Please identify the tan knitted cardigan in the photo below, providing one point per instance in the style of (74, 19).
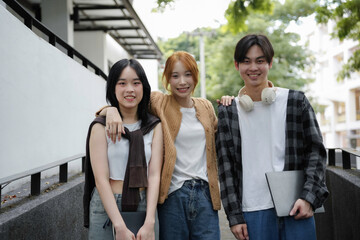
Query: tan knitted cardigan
(168, 110)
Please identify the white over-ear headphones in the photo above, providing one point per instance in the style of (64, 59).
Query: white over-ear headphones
(268, 96)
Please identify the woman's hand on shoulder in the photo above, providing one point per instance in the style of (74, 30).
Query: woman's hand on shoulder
(114, 124)
(146, 232)
(225, 100)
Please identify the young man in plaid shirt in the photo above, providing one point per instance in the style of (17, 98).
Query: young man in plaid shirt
(266, 129)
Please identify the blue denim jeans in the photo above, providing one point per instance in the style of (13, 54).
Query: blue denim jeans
(265, 225)
(187, 214)
(100, 225)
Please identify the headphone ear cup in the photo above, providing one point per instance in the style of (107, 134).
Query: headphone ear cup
(246, 103)
(268, 95)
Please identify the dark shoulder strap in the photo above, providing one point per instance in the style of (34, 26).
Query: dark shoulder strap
(100, 119)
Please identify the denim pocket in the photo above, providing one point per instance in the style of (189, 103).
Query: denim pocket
(206, 192)
(173, 193)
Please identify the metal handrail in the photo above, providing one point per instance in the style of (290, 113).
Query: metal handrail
(30, 21)
(35, 173)
(346, 156)
(63, 170)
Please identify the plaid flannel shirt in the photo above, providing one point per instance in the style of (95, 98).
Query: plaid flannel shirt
(304, 150)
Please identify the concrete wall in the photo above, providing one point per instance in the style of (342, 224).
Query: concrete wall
(55, 16)
(342, 217)
(47, 100)
(55, 215)
(92, 46)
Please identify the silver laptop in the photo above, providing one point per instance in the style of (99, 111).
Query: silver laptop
(285, 188)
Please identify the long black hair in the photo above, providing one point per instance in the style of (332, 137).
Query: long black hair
(113, 78)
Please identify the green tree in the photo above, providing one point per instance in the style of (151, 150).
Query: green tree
(293, 10)
(346, 14)
(162, 4)
(184, 42)
(290, 60)
(289, 63)
(239, 10)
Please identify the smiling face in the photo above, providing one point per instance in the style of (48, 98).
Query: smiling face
(181, 81)
(254, 68)
(128, 89)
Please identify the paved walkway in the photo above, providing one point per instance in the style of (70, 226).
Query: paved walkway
(226, 234)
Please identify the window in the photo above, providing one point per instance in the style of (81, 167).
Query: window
(340, 110)
(357, 104)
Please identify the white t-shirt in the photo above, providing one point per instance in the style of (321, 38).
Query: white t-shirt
(118, 152)
(190, 150)
(263, 148)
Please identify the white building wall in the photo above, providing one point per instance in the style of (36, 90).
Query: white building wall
(151, 69)
(92, 46)
(330, 56)
(113, 52)
(104, 51)
(47, 100)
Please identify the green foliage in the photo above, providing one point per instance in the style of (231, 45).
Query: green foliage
(293, 10)
(239, 10)
(290, 60)
(221, 75)
(353, 65)
(346, 14)
(184, 42)
(162, 4)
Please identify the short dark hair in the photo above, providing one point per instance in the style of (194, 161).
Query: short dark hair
(113, 78)
(245, 43)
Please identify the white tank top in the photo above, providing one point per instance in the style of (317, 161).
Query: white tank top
(118, 152)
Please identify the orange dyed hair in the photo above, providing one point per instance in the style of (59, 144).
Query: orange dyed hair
(189, 63)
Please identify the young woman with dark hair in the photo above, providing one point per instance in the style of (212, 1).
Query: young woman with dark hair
(114, 74)
(128, 91)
